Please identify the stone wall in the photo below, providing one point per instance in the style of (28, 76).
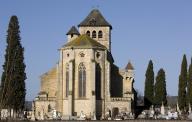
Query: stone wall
(49, 83)
(41, 107)
(122, 105)
(103, 121)
(106, 40)
(89, 59)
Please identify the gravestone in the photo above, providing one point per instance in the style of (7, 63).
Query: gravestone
(4, 113)
(162, 109)
(190, 116)
(189, 108)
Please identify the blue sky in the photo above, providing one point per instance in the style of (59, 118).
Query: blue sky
(160, 30)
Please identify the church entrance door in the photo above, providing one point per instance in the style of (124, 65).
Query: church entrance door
(115, 112)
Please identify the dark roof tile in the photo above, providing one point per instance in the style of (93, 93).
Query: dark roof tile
(95, 18)
(73, 30)
(84, 41)
(129, 66)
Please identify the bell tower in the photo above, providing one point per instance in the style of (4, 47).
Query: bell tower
(95, 26)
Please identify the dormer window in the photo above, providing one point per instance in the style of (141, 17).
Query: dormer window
(92, 21)
(94, 35)
(88, 33)
(100, 34)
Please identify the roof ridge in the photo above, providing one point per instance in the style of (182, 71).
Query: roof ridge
(84, 41)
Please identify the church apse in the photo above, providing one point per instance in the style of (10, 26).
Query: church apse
(86, 79)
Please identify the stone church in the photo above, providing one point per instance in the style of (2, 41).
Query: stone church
(85, 78)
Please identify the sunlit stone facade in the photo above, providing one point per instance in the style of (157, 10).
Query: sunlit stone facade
(85, 78)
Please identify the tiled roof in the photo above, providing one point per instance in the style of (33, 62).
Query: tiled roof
(84, 41)
(73, 30)
(129, 66)
(95, 18)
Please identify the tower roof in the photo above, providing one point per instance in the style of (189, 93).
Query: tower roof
(84, 41)
(73, 30)
(95, 18)
(129, 66)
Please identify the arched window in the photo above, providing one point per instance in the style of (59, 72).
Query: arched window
(100, 34)
(82, 80)
(67, 80)
(94, 35)
(88, 33)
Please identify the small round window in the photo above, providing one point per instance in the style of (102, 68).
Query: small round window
(81, 54)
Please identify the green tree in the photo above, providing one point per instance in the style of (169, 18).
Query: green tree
(149, 85)
(13, 77)
(182, 84)
(189, 85)
(160, 88)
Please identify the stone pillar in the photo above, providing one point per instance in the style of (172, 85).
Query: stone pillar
(108, 81)
(61, 80)
(70, 102)
(59, 101)
(93, 87)
(107, 78)
(130, 106)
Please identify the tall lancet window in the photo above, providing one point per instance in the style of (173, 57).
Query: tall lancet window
(67, 80)
(82, 80)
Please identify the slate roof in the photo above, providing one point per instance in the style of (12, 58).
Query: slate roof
(129, 66)
(73, 30)
(84, 41)
(95, 18)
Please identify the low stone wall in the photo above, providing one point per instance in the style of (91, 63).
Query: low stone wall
(103, 121)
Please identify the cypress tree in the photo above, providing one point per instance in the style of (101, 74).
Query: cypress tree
(189, 85)
(160, 88)
(13, 76)
(19, 89)
(182, 84)
(149, 85)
